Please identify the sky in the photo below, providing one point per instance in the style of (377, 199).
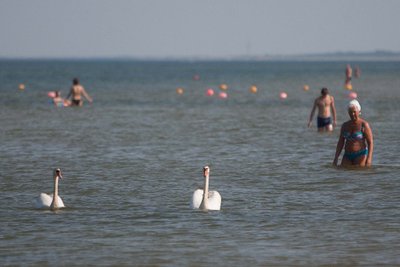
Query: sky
(195, 28)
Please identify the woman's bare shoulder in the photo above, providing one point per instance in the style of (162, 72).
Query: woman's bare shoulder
(365, 123)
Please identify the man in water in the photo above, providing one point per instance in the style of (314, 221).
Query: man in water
(357, 72)
(76, 92)
(325, 104)
(348, 73)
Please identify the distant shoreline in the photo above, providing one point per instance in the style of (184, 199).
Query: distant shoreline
(379, 55)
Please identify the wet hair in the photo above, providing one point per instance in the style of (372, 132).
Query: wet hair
(75, 81)
(324, 91)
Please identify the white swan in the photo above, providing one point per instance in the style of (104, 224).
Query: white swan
(204, 199)
(52, 201)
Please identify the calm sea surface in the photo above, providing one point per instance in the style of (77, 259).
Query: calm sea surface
(133, 158)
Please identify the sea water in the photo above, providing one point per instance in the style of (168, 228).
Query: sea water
(132, 159)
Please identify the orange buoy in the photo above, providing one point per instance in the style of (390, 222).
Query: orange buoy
(253, 89)
(223, 86)
(348, 86)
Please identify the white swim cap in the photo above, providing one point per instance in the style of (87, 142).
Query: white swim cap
(354, 103)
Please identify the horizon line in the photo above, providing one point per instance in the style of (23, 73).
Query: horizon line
(339, 55)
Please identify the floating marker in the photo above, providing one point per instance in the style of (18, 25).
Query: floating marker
(253, 89)
(353, 95)
(348, 86)
(223, 87)
(51, 94)
(223, 95)
(210, 92)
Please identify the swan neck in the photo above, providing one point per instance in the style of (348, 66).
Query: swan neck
(204, 203)
(54, 203)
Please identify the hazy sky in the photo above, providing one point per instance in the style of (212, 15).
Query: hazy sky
(188, 28)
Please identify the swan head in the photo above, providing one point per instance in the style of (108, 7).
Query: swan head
(57, 173)
(206, 171)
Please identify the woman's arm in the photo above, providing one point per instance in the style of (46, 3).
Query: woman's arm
(339, 147)
(370, 142)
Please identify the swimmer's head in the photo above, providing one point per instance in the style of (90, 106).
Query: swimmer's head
(354, 103)
(75, 81)
(324, 91)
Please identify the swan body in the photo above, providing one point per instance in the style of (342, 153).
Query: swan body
(51, 201)
(44, 201)
(203, 198)
(214, 199)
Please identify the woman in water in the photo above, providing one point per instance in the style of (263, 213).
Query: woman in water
(356, 137)
(59, 101)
